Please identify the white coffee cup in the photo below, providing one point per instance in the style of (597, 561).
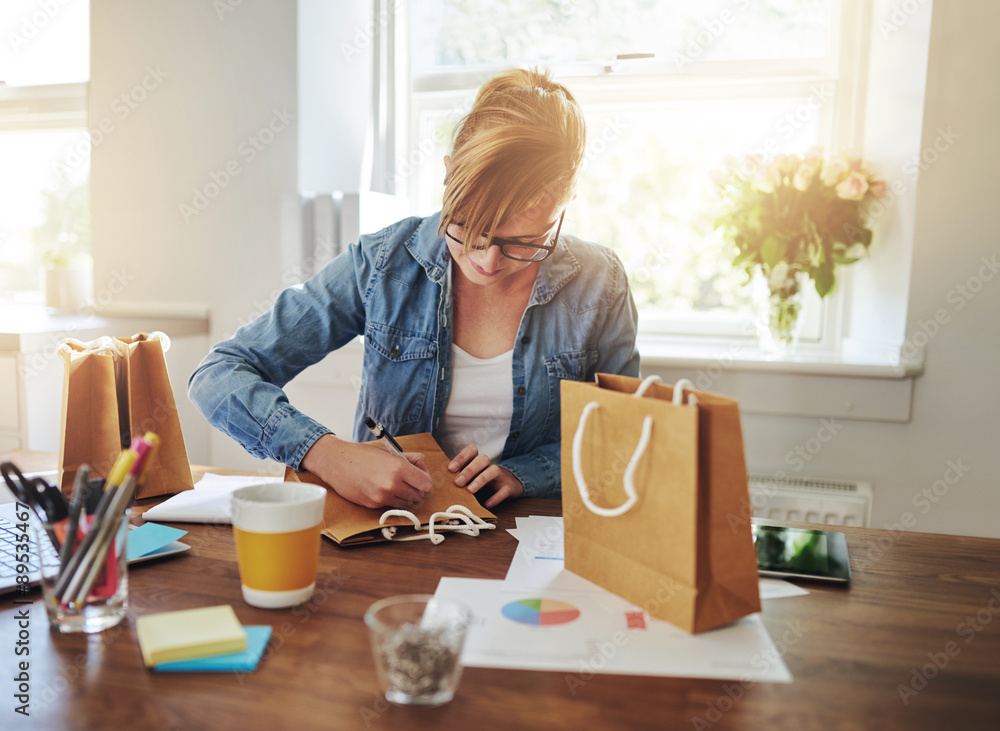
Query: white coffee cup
(277, 531)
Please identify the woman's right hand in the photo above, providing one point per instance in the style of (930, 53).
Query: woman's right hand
(369, 476)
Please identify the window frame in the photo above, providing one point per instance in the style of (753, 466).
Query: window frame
(634, 81)
(43, 107)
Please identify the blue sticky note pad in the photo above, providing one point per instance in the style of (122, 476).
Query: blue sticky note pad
(150, 537)
(246, 661)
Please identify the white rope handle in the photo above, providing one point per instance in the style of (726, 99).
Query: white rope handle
(646, 383)
(104, 345)
(460, 519)
(679, 387)
(457, 518)
(390, 531)
(628, 481)
(157, 335)
(472, 522)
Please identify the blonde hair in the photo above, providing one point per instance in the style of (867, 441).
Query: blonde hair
(524, 138)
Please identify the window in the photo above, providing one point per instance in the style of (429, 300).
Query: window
(668, 89)
(44, 144)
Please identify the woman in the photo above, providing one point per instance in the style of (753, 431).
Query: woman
(471, 317)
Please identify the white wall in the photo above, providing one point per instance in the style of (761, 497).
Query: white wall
(186, 187)
(334, 55)
(957, 402)
(937, 473)
(227, 74)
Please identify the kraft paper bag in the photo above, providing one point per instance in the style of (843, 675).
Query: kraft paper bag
(349, 524)
(653, 485)
(115, 388)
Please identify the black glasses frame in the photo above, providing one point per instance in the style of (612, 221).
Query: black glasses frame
(504, 243)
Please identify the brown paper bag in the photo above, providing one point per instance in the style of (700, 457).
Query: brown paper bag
(116, 388)
(349, 524)
(652, 495)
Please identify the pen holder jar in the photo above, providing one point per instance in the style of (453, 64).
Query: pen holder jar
(84, 578)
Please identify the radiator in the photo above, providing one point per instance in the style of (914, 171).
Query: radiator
(833, 502)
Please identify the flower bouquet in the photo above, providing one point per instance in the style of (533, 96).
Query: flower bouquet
(793, 217)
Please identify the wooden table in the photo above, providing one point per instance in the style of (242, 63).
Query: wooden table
(912, 644)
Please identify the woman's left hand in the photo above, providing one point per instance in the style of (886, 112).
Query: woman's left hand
(475, 471)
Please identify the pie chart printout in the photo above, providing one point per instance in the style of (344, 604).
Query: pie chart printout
(544, 612)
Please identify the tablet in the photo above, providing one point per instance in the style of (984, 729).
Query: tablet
(802, 553)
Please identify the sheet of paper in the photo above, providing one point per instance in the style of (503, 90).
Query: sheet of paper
(538, 563)
(208, 502)
(779, 589)
(150, 537)
(582, 633)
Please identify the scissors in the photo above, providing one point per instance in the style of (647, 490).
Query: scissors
(46, 500)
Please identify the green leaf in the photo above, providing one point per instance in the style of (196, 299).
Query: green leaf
(823, 279)
(773, 251)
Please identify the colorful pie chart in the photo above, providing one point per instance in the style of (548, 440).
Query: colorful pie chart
(545, 612)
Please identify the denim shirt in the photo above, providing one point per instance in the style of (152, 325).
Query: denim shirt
(394, 288)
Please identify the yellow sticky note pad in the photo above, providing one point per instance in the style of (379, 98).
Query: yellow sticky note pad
(189, 633)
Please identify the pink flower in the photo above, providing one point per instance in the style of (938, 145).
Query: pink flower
(878, 188)
(806, 173)
(834, 171)
(856, 163)
(853, 187)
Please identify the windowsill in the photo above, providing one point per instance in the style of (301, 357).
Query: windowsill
(25, 327)
(863, 385)
(741, 355)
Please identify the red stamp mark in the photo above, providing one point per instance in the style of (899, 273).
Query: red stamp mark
(635, 620)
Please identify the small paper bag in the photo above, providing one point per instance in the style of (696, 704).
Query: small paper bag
(652, 495)
(115, 388)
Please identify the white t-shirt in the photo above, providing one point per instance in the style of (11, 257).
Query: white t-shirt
(480, 404)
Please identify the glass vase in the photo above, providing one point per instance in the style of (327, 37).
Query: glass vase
(779, 299)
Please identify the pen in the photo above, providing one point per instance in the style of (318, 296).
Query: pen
(71, 576)
(87, 572)
(153, 440)
(80, 489)
(122, 466)
(384, 436)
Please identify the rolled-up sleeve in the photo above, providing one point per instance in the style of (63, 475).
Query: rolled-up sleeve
(538, 471)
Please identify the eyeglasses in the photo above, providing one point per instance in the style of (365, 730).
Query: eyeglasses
(514, 249)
